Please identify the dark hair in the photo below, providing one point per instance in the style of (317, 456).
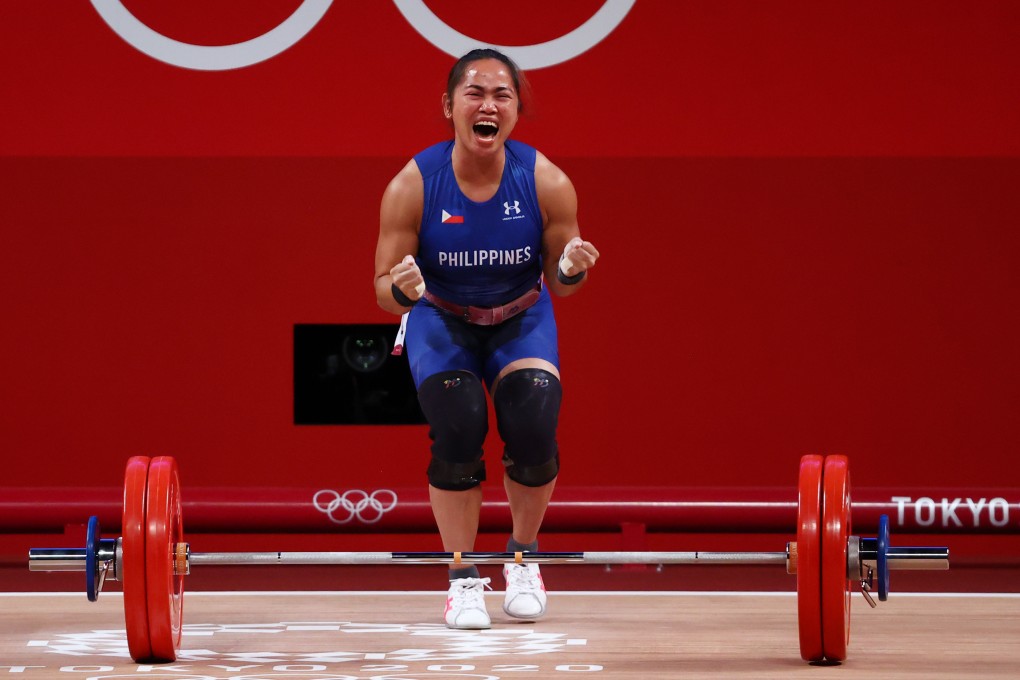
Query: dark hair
(458, 69)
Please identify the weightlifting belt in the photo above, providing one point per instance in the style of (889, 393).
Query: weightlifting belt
(487, 316)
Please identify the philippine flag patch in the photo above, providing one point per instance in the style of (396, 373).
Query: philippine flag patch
(452, 219)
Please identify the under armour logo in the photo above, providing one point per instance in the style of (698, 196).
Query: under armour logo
(516, 207)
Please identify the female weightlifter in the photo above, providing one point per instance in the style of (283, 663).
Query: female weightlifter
(474, 233)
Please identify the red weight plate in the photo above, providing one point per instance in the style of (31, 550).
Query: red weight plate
(835, 583)
(165, 531)
(809, 558)
(132, 564)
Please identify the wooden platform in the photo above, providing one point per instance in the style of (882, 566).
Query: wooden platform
(398, 636)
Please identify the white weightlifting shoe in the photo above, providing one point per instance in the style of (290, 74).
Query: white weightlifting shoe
(525, 591)
(465, 604)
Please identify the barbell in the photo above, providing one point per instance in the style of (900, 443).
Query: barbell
(151, 558)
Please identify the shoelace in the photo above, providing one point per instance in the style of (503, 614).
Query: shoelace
(469, 587)
(519, 577)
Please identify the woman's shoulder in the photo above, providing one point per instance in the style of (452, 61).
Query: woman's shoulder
(432, 158)
(521, 153)
(550, 180)
(406, 185)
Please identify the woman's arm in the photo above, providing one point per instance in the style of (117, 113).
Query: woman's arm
(561, 235)
(399, 220)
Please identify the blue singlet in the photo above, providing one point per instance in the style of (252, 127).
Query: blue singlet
(483, 254)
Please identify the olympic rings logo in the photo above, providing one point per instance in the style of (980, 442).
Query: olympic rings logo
(307, 15)
(367, 508)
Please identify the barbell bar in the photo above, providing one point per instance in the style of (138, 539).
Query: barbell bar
(76, 559)
(151, 558)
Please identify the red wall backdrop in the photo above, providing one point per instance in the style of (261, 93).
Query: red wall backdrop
(807, 212)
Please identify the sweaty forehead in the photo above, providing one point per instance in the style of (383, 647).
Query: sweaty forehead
(488, 73)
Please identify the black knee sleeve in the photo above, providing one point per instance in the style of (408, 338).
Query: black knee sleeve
(454, 405)
(527, 405)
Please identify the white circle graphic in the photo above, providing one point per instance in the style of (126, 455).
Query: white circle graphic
(211, 57)
(550, 53)
(354, 503)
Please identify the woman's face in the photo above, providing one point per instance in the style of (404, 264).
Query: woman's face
(483, 108)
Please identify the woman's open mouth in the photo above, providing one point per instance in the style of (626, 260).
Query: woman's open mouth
(486, 129)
